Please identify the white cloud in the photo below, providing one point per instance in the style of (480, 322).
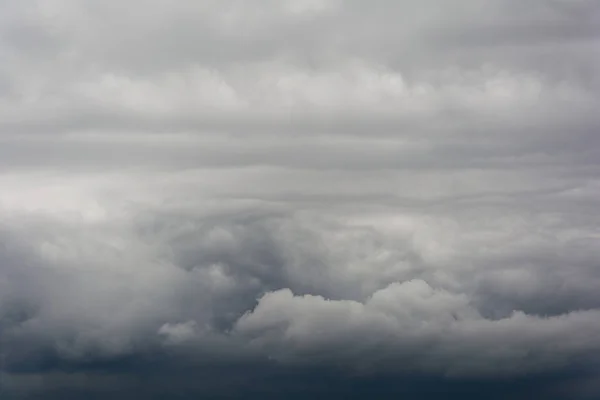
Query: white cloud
(178, 333)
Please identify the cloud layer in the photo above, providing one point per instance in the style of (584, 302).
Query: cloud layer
(309, 197)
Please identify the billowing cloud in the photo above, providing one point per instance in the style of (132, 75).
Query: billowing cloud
(292, 198)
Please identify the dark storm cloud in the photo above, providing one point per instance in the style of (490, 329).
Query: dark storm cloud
(198, 274)
(318, 198)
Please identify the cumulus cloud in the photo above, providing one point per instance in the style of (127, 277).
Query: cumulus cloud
(308, 197)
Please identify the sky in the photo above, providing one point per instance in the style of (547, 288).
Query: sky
(337, 199)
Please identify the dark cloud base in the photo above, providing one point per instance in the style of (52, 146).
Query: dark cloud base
(264, 382)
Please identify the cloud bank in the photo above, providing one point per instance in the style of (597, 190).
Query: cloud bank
(329, 198)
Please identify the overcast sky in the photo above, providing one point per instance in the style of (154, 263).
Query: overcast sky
(260, 199)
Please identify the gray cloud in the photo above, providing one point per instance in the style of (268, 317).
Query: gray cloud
(318, 197)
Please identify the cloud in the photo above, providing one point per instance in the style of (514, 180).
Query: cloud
(434, 329)
(316, 197)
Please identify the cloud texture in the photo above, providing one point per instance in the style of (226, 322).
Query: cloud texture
(334, 198)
